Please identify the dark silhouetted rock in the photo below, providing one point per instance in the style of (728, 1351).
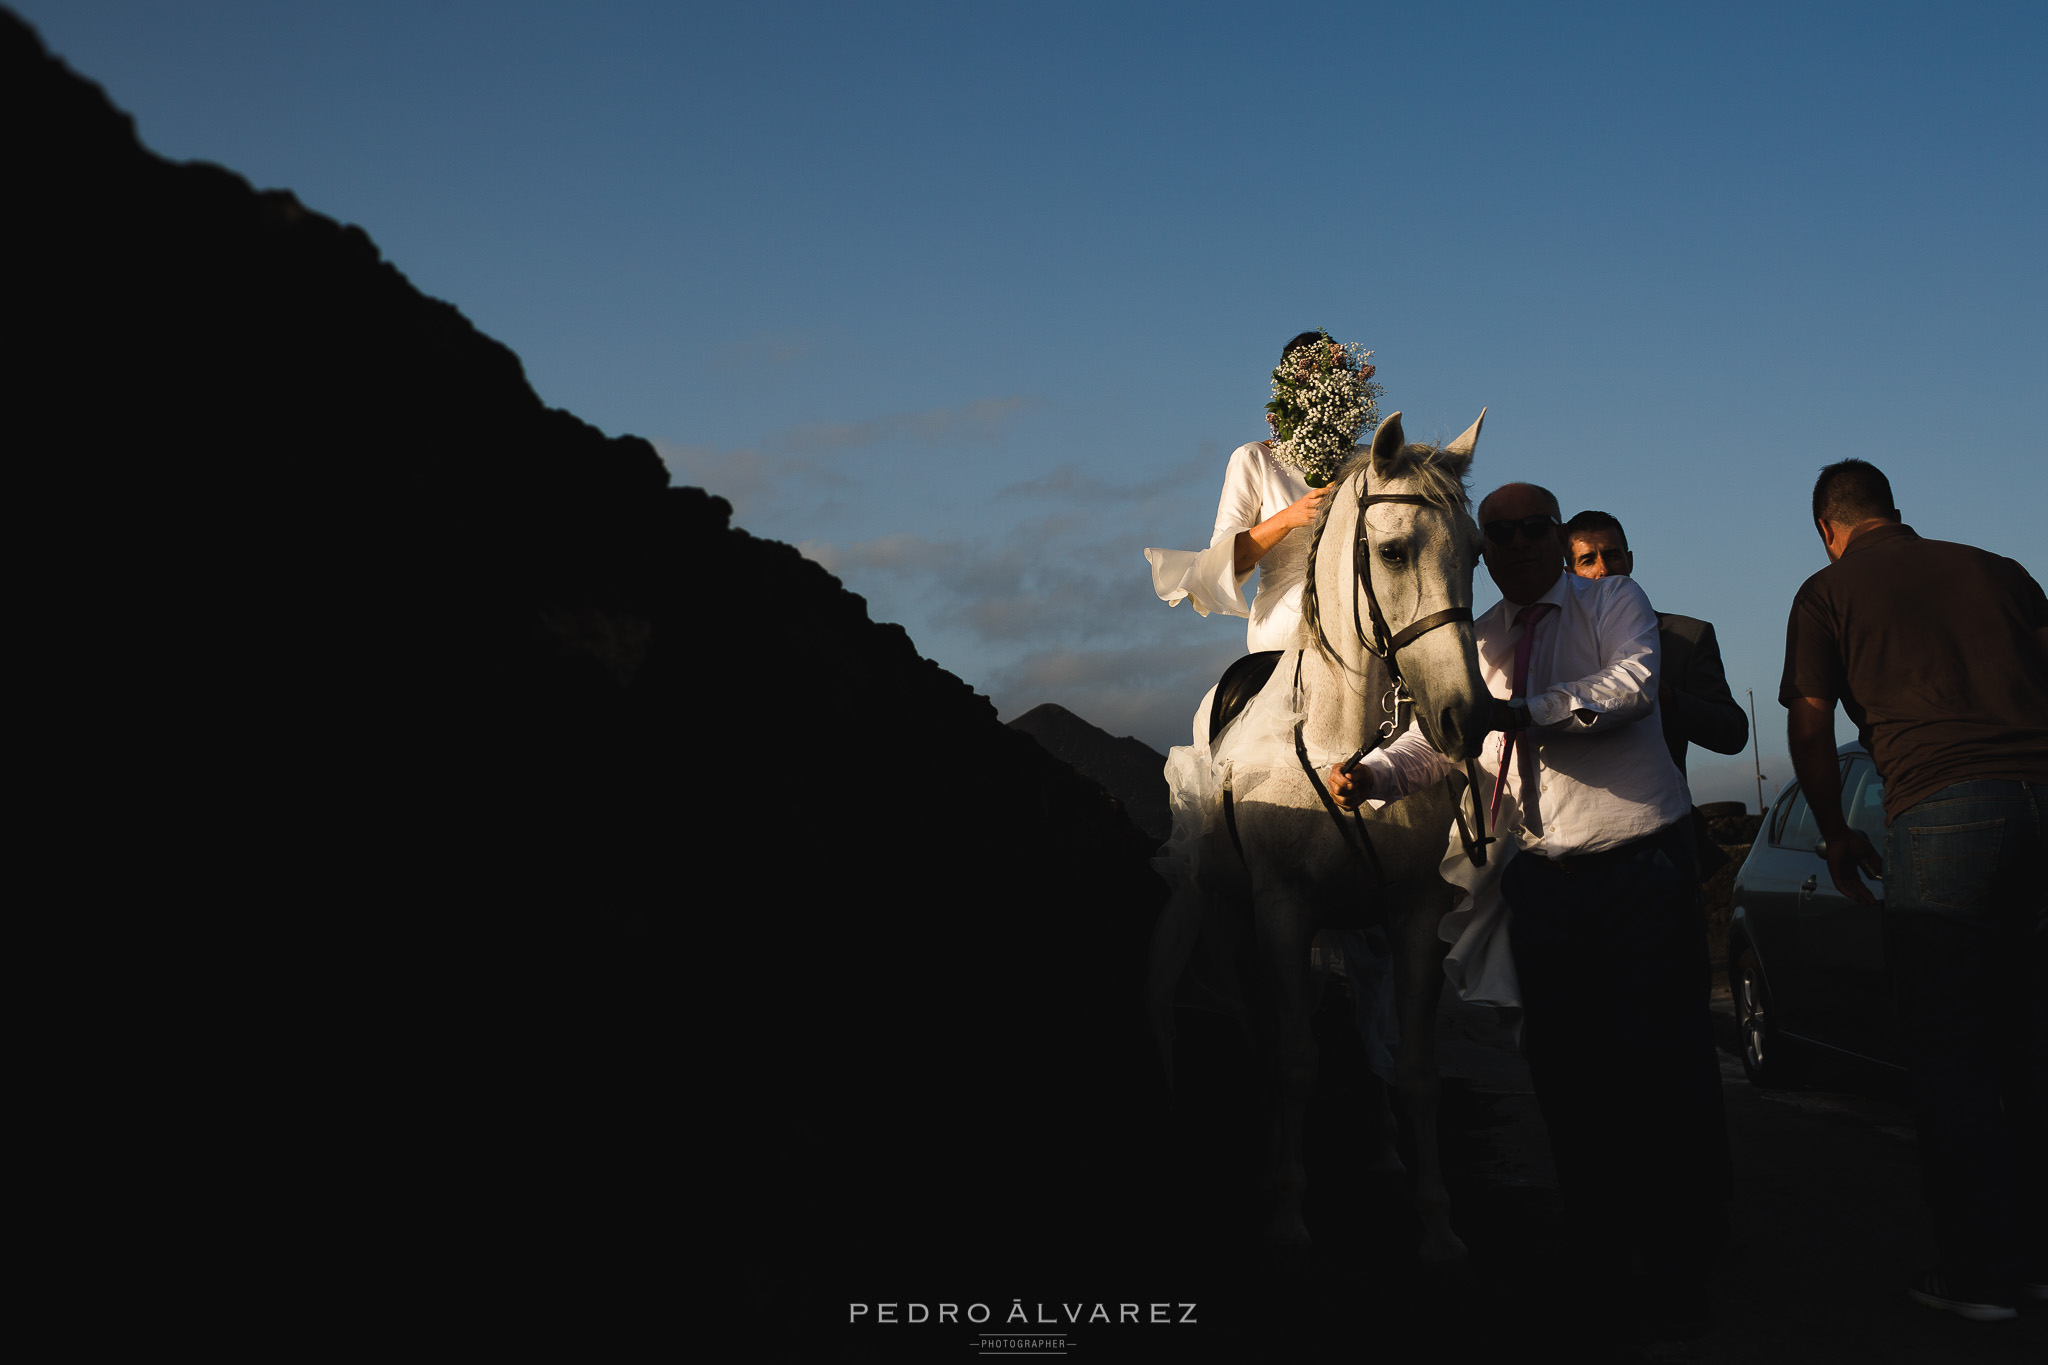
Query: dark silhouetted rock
(1131, 771)
(491, 931)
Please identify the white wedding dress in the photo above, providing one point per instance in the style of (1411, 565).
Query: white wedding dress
(1255, 486)
(1479, 965)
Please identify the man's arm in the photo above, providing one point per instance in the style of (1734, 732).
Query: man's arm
(1706, 713)
(1391, 771)
(1810, 735)
(1624, 687)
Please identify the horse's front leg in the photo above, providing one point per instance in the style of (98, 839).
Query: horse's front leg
(1419, 983)
(1286, 925)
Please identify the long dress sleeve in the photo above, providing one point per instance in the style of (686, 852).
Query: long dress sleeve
(1208, 579)
(1241, 505)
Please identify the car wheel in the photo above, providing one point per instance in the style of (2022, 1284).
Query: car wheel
(1764, 1055)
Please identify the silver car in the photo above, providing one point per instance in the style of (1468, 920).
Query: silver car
(1805, 963)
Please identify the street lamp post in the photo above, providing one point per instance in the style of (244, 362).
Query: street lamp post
(1754, 758)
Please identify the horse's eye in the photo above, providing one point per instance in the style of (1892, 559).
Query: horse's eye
(1392, 557)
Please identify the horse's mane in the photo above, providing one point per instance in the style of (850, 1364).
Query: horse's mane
(1441, 473)
(1441, 476)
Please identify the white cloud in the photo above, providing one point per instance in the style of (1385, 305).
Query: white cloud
(902, 554)
(1059, 610)
(1150, 692)
(982, 421)
(749, 478)
(1053, 607)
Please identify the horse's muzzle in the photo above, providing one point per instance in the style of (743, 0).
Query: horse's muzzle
(1460, 735)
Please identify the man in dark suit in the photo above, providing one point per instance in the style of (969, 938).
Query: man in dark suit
(1692, 694)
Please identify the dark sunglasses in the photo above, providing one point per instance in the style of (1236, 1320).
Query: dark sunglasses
(1532, 528)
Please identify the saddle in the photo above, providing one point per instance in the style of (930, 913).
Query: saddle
(1244, 680)
(1240, 683)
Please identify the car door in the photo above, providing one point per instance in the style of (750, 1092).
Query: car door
(1851, 1003)
(1776, 882)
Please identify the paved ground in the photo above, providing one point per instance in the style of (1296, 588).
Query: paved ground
(1828, 1221)
(1828, 1228)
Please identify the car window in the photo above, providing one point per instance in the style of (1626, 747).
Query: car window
(1863, 800)
(1798, 829)
(1783, 807)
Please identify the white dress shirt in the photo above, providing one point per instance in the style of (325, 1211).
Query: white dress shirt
(1591, 772)
(1255, 486)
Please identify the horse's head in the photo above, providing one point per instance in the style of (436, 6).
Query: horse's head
(1402, 585)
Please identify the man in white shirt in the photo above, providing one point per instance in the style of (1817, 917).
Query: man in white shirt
(1594, 820)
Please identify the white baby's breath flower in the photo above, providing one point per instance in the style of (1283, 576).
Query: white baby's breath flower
(1323, 396)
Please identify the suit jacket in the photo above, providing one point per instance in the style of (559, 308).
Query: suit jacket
(1701, 710)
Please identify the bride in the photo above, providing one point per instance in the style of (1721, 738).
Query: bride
(1262, 522)
(1264, 503)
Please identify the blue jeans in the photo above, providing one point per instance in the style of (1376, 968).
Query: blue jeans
(1966, 943)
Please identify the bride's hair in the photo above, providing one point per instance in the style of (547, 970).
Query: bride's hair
(1305, 339)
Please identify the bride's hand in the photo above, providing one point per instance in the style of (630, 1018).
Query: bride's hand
(1253, 545)
(1303, 512)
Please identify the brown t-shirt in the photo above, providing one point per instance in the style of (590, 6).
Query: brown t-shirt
(1930, 648)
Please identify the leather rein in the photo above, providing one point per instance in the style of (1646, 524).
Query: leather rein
(1387, 645)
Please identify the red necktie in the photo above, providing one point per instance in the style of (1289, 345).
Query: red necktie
(1526, 618)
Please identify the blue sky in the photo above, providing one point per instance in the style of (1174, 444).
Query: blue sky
(972, 301)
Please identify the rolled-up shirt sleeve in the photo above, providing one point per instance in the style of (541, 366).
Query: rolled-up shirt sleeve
(1405, 764)
(1624, 688)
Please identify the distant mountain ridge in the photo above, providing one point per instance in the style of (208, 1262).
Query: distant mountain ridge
(1128, 769)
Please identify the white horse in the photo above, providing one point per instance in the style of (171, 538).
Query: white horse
(1389, 581)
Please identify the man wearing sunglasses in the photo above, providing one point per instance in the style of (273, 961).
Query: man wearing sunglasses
(1599, 874)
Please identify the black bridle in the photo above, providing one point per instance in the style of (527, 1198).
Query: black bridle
(1386, 645)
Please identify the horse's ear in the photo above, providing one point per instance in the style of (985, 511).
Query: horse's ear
(1464, 444)
(1387, 441)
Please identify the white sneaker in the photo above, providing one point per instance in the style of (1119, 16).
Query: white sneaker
(1931, 1288)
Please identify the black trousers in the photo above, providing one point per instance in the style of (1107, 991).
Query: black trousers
(1621, 1048)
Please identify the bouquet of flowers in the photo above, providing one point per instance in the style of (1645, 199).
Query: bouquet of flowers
(1323, 396)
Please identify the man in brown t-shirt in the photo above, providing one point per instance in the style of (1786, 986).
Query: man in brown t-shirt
(1939, 653)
